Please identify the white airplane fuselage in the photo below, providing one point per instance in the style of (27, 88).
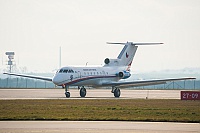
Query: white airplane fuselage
(112, 71)
(89, 76)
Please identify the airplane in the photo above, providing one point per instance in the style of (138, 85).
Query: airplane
(108, 75)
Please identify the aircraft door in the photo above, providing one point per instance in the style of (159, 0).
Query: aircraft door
(79, 74)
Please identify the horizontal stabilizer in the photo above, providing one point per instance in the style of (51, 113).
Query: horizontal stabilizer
(115, 43)
(134, 43)
(147, 43)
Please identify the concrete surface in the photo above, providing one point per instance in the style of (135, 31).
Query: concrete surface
(91, 93)
(96, 127)
(92, 126)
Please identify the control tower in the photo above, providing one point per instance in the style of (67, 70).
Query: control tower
(10, 60)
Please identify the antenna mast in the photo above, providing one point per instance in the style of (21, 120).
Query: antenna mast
(10, 60)
(60, 58)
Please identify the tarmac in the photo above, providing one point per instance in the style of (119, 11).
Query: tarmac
(96, 127)
(91, 93)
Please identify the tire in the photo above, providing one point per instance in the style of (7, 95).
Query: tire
(117, 92)
(83, 92)
(67, 94)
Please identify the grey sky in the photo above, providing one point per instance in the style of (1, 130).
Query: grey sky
(34, 30)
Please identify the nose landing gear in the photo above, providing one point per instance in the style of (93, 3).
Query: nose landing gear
(67, 94)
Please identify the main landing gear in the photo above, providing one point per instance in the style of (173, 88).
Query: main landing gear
(116, 91)
(82, 91)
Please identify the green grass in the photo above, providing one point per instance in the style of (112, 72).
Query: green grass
(101, 109)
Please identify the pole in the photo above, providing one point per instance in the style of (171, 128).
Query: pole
(10, 69)
(35, 83)
(26, 82)
(184, 84)
(60, 58)
(17, 83)
(7, 82)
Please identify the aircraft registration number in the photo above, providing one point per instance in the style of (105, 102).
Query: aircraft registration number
(190, 95)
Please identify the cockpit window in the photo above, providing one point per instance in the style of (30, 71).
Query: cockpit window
(61, 70)
(66, 71)
(70, 71)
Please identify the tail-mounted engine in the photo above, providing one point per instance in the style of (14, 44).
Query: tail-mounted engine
(107, 61)
(124, 74)
(111, 62)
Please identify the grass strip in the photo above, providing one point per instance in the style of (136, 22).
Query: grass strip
(101, 110)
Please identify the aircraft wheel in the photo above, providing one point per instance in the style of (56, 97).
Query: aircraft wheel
(82, 92)
(67, 94)
(117, 92)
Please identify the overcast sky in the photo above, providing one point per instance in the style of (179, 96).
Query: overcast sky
(35, 29)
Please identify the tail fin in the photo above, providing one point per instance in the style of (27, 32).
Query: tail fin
(127, 54)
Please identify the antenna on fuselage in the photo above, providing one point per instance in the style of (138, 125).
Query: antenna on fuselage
(60, 57)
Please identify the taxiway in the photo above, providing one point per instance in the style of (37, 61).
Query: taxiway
(97, 127)
(91, 93)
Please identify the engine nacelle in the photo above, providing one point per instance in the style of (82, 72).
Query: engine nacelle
(107, 61)
(111, 62)
(124, 74)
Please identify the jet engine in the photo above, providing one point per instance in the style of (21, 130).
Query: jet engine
(111, 62)
(107, 61)
(124, 74)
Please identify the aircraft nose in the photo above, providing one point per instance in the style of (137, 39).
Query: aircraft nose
(56, 80)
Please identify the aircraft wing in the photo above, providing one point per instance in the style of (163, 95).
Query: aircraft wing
(30, 76)
(143, 83)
